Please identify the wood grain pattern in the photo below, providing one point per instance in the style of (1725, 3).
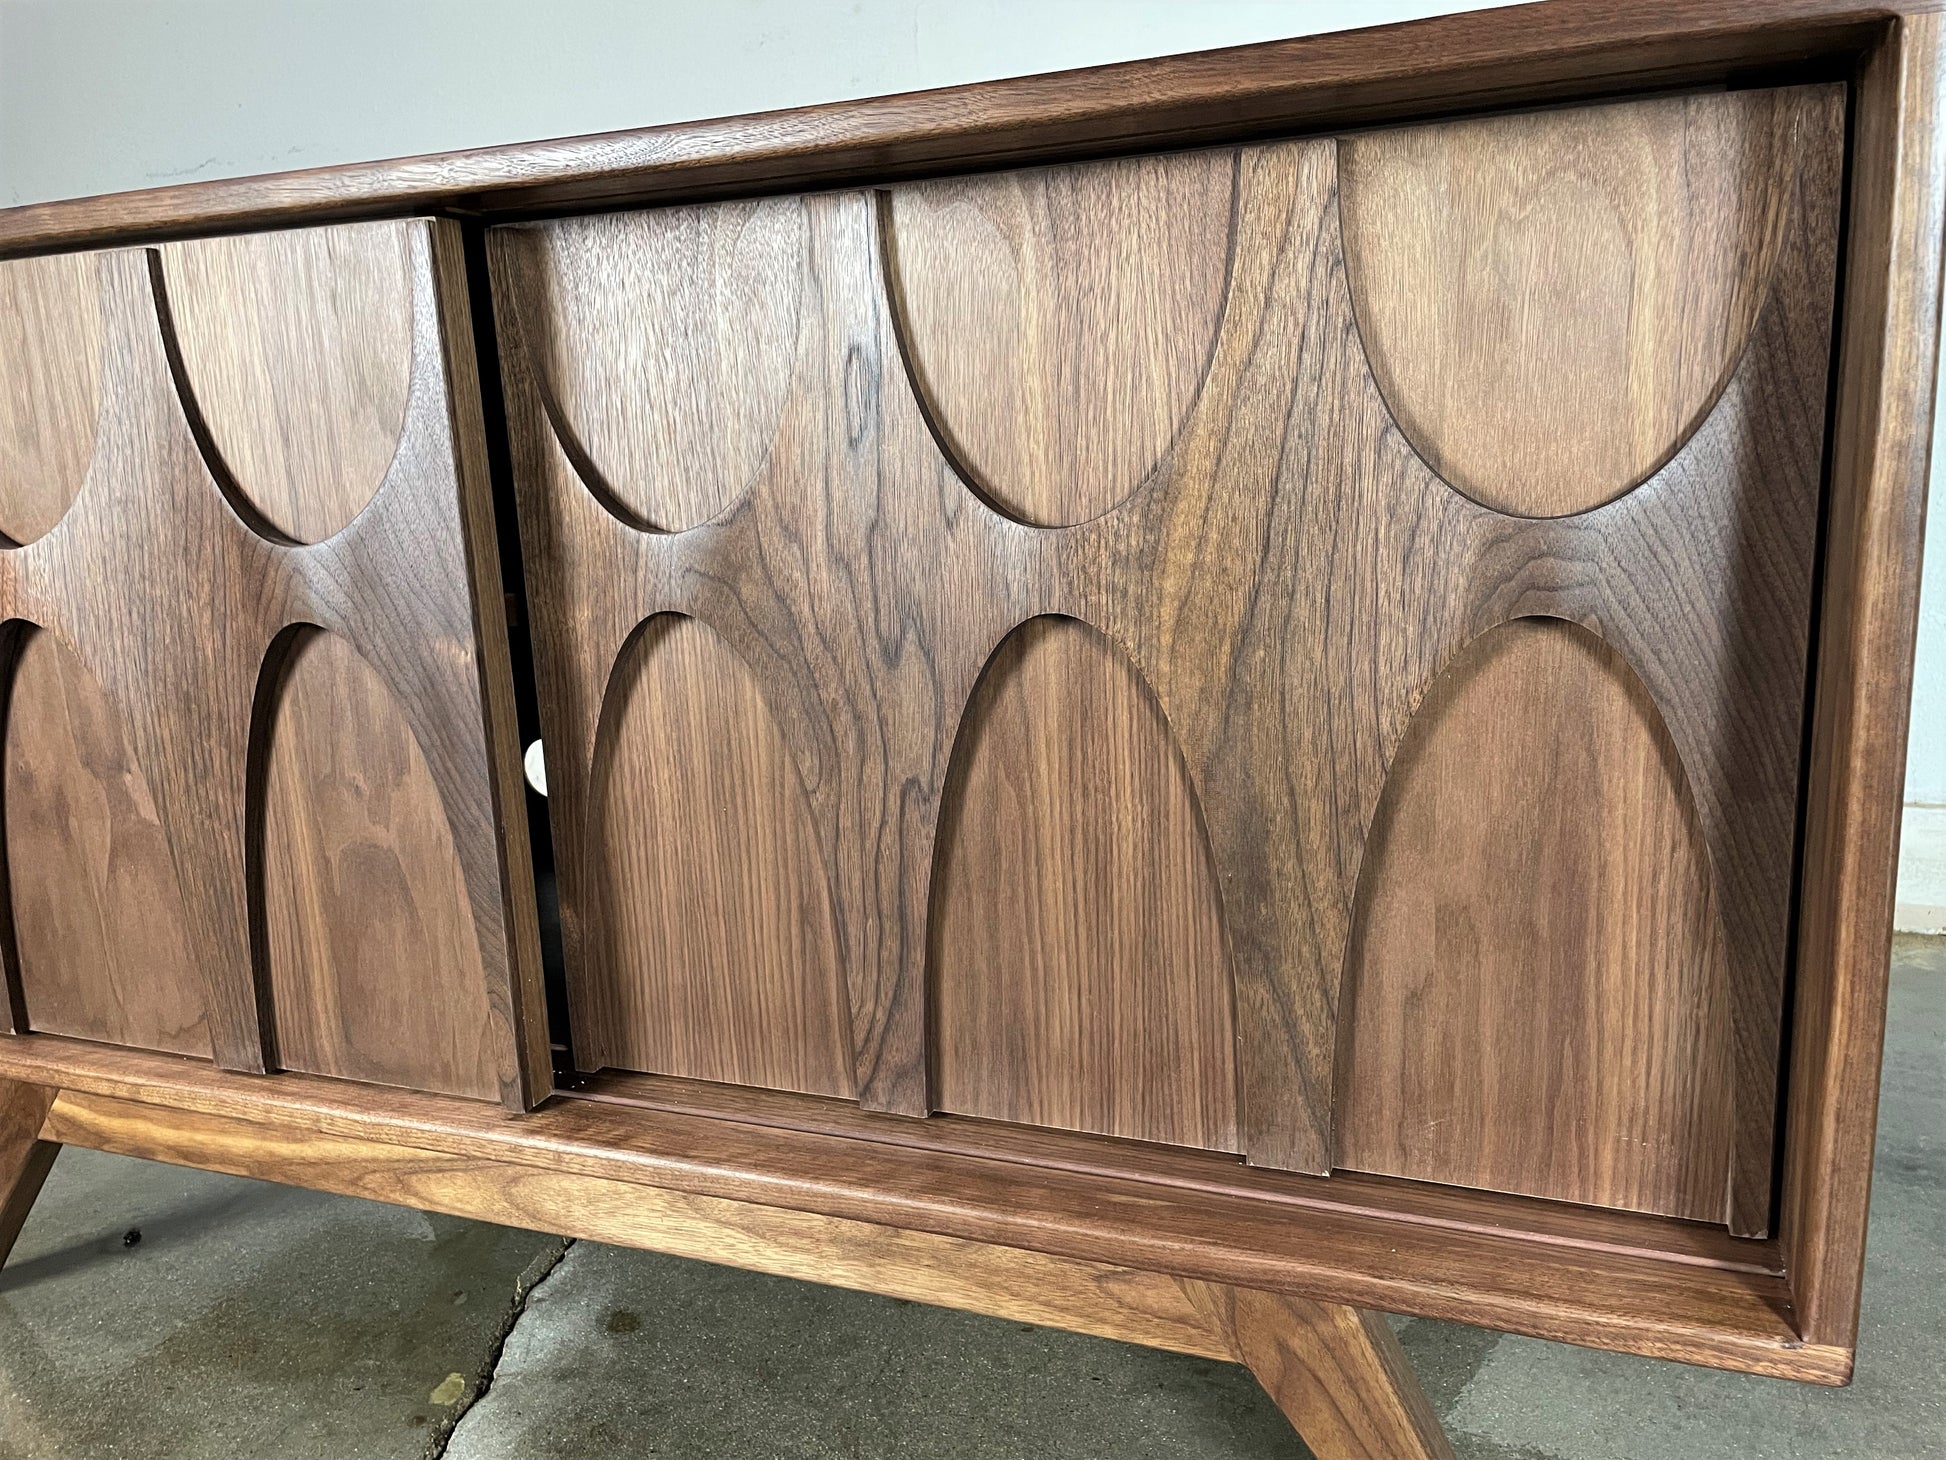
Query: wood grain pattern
(803, 578)
(1186, 1170)
(1452, 65)
(25, 1159)
(1881, 443)
(1061, 321)
(669, 352)
(1440, 66)
(50, 388)
(1078, 968)
(716, 947)
(1638, 1300)
(374, 968)
(171, 603)
(1289, 584)
(1536, 987)
(101, 934)
(1553, 300)
(298, 349)
(1337, 1373)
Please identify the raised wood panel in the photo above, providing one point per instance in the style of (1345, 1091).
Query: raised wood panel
(373, 963)
(666, 349)
(298, 349)
(715, 934)
(1060, 322)
(171, 602)
(98, 916)
(1079, 974)
(1553, 300)
(1536, 988)
(50, 388)
(1290, 579)
(1079, 968)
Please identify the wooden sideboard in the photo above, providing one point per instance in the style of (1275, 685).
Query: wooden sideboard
(1188, 701)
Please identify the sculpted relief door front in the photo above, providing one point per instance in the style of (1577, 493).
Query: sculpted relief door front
(1296, 650)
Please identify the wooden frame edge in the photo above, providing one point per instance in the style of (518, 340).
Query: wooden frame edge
(1881, 448)
(1337, 1373)
(526, 992)
(1026, 1287)
(1718, 1318)
(1556, 50)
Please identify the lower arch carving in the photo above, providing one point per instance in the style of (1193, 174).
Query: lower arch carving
(101, 935)
(371, 957)
(1078, 970)
(1536, 989)
(714, 948)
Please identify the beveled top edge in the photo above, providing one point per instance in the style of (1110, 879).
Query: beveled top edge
(1552, 51)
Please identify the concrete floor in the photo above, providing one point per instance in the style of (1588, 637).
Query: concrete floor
(257, 1320)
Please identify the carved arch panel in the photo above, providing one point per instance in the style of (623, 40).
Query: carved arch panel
(253, 392)
(1282, 566)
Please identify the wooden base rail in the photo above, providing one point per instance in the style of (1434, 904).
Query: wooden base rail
(741, 1185)
(1337, 1372)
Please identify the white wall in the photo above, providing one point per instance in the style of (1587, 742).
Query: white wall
(1922, 849)
(102, 95)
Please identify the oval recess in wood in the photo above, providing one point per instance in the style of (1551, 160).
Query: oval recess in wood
(98, 912)
(1059, 322)
(1552, 301)
(666, 346)
(1536, 995)
(716, 953)
(1079, 973)
(298, 350)
(374, 963)
(50, 387)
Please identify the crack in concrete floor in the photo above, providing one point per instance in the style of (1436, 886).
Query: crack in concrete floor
(531, 1277)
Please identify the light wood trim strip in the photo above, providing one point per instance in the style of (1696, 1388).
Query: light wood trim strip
(1382, 1198)
(1636, 1304)
(1026, 1287)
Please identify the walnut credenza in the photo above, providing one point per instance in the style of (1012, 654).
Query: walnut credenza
(1186, 701)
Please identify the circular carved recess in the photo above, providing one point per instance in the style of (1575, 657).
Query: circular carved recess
(98, 912)
(667, 346)
(718, 949)
(375, 970)
(1536, 989)
(1552, 301)
(298, 349)
(50, 387)
(1078, 968)
(1059, 322)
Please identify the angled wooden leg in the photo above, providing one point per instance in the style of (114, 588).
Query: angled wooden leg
(25, 1159)
(1338, 1373)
